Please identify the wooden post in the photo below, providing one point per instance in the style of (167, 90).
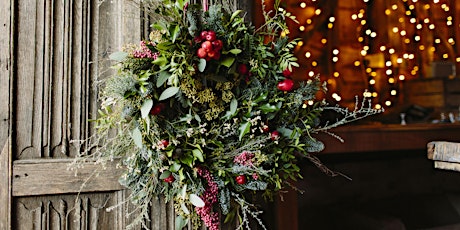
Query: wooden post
(6, 47)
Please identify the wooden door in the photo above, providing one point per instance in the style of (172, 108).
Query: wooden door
(51, 54)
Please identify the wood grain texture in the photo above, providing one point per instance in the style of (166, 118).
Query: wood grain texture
(6, 64)
(88, 211)
(40, 177)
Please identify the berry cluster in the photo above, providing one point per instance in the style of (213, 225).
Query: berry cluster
(210, 46)
(144, 51)
(245, 158)
(286, 84)
(209, 196)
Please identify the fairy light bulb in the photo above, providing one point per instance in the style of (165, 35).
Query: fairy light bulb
(399, 60)
(318, 11)
(413, 20)
(354, 17)
(373, 34)
(378, 106)
(403, 33)
(437, 40)
(302, 28)
(374, 94)
(402, 77)
(388, 63)
(382, 48)
(314, 63)
(311, 74)
(391, 80)
(372, 82)
(335, 51)
(431, 26)
(357, 63)
(335, 59)
(395, 29)
(388, 103)
(391, 51)
(307, 54)
(331, 19)
(324, 40)
(393, 92)
(309, 21)
(389, 72)
(445, 56)
(303, 5)
(394, 7)
(336, 74)
(419, 26)
(417, 38)
(363, 52)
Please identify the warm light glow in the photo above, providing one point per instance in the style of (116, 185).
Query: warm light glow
(372, 82)
(374, 94)
(417, 38)
(373, 34)
(377, 106)
(374, 74)
(383, 48)
(445, 56)
(437, 40)
(388, 63)
(421, 47)
(357, 63)
(457, 59)
(399, 60)
(300, 43)
(335, 51)
(335, 59)
(387, 11)
(307, 54)
(431, 27)
(303, 5)
(395, 29)
(413, 20)
(354, 17)
(394, 7)
(388, 103)
(391, 51)
(318, 11)
(336, 74)
(389, 72)
(314, 63)
(403, 33)
(368, 70)
(419, 26)
(393, 92)
(331, 19)
(302, 28)
(360, 39)
(391, 80)
(363, 53)
(402, 77)
(311, 73)
(324, 40)
(309, 21)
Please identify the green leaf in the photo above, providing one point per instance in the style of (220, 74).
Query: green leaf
(162, 78)
(175, 33)
(235, 51)
(137, 137)
(227, 62)
(202, 65)
(267, 108)
(180, 222)
(233, 108)
(165, 175)
(146, 107)
(169, 92)
(184, 208)
(175, 167)
(160, 61)
(187, 159)
(118, 56)
(244, 129)
(196, 200)
(198, 154)
(236, 13)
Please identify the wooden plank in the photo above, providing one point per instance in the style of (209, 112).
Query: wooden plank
(40, 177)
(391, 137)
(6, 46)
(444, 151)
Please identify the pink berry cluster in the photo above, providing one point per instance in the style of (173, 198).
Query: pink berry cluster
(144, 52)
(245, 158)
(209, 196)
(210, 47)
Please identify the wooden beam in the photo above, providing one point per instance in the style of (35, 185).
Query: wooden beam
(6, 46)
(53, 177)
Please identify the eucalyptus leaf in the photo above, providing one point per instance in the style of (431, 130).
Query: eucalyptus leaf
(118, 56)
(235, 51)
(202, 65)
(184, 208)
(175, 33)
(137, 137)
(180, 222)
(146, 107)
(196, 201)
(175, 167)
(162, 78)
(169, 92)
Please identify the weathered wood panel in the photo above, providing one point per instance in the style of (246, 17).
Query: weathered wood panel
(43, 177)
(6, 9)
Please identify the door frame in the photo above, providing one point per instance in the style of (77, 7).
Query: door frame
(6, 73)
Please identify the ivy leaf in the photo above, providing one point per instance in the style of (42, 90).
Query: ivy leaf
(267, 108)
(198, 154)
(162, 78)
(146, 107)
(244, 129)
(169, 92)
(233, 108)
(118, 56)
(202, 65)
(137, 137)
(180, 222)
(227, 62)
(196, 200)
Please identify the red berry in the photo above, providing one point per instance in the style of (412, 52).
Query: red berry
(165, 143)
(218, 44)
(212, 54)
(216, 56)
(243, 69)
(275, 135)
(287, 73)
(211, 36)
(169, 179)
(241, 179)
(203, 34)
(197, 39)
(207, 45)
(265, 128)
(157, 109)
(201, 53)
(286, 85)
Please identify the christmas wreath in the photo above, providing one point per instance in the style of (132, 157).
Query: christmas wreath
(205, 111)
